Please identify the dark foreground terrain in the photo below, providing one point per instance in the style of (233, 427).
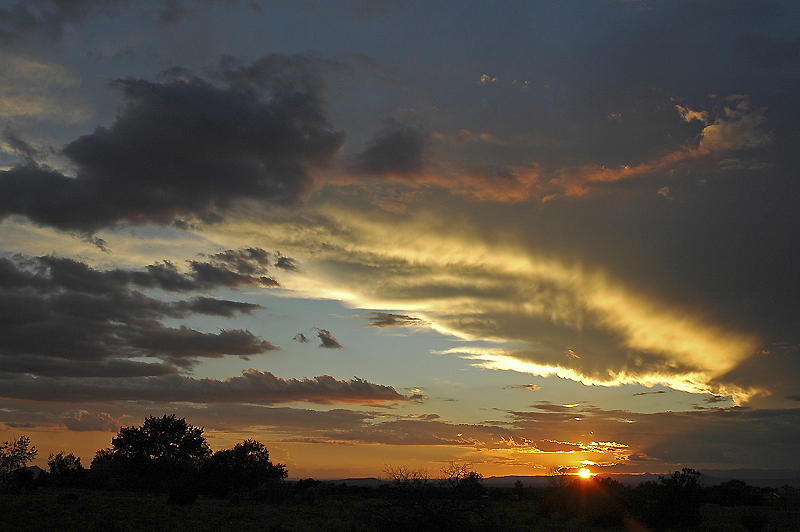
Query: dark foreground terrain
(578, 505)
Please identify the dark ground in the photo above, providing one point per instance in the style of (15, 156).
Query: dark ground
(332, 507)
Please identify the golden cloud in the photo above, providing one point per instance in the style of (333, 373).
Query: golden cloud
(501, 292)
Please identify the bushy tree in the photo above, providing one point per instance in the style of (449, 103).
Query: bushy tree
(163, 452)
(243, 468)
(165, 438)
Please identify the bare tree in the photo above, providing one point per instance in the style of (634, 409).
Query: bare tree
(456, 473)
(403, 476)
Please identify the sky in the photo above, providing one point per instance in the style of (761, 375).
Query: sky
(376, 233)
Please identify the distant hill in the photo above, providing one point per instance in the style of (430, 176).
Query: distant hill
(766, 478)
(36, 470)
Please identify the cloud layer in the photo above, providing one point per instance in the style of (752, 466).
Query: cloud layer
(62, 317)
(255, 140)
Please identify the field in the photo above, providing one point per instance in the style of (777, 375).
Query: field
(330, 507)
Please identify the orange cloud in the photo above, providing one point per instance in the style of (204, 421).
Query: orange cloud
(739, 127)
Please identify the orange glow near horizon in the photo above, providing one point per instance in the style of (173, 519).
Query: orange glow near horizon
(584, 473)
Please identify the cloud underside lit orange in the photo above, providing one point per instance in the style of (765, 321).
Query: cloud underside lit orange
(739, 126)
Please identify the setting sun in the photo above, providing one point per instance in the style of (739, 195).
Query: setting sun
(584, 473)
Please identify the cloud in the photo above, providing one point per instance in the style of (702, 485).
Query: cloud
(183, 148)
(234, 268)
(286, 263)
(230, 268)
(327, 340)
(531, 387)
(385, 319)
(301, 338)
(689, 115)
(620, 439)
(57, 366)
(182, 345)
(22, 148)
(717, 399)
(649, 393)
(252, 386)
(63, 317)
(469, 285)
(33, 89)
(86, 421)
(44, 19)
(398, 150)
(219, 307)
(739, 126)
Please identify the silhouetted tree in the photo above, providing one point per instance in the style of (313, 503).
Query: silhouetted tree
(464, 482)
(407, 478)
(241, 469)
(165, 438)
(164, 452)
(65, 469)
(14, 456)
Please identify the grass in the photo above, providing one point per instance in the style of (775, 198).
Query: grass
(51, 508)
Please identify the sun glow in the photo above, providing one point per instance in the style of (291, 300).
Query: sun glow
(584, 473)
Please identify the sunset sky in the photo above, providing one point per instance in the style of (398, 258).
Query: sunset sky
(366, 233)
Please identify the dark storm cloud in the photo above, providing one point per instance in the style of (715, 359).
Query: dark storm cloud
(384, 319)
(109, 416)
(183, 148)
(251, 387)
(183, 345)
(231, 268)
(219, 307)
(397, 149)
(327, 339)
(57, 367)
(62, 317)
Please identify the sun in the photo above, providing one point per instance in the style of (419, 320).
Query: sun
(584, 473)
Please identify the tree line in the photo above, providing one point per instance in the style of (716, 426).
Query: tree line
(164, 454)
